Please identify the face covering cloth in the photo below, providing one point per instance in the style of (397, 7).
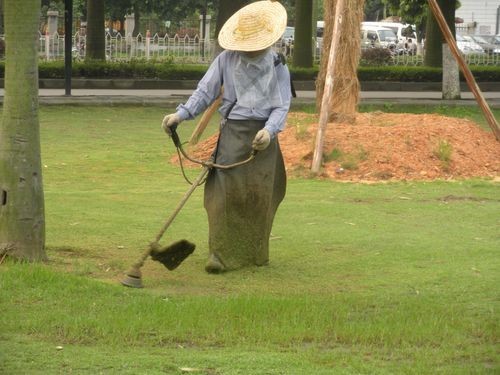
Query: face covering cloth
(255, 82)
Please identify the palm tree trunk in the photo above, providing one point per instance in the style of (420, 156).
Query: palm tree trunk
(22, 222)
(345, 97)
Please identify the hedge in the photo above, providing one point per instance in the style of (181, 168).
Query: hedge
(171, 71)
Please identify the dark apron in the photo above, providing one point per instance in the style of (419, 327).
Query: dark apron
(241, 202)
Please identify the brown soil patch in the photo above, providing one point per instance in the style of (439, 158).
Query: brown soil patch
(386, 146)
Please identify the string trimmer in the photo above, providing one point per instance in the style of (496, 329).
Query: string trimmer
(172, 256)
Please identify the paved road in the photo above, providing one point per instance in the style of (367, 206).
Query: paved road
(168, 97)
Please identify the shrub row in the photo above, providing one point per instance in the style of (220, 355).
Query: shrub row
(404, 73)
(170, 71)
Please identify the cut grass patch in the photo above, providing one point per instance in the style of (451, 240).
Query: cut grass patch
(443, 152)
(347, 160)
(365, 279)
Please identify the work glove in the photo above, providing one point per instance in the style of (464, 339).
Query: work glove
(261, 140)
(169, 121)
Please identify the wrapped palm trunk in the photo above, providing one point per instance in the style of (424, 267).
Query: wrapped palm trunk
(241, 202)
(345, 97)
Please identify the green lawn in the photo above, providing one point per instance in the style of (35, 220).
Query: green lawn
(389, 278)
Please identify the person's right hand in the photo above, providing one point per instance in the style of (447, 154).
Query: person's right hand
(169, 121)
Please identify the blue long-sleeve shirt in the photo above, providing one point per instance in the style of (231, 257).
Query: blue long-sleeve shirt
(220, 73)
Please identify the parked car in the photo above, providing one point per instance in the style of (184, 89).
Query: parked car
(468, 46)
(493, 39)
(376, 36)
(488, 47)
(403, 31)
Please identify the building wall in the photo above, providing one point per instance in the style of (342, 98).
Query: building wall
(484, 13)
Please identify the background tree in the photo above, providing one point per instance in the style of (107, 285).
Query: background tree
(290, 10)
(22, 220)
(434, 37)
(346, 84)
(374, 10)
(302, 54)
(95, 45)
(164, 10)
(226, 9)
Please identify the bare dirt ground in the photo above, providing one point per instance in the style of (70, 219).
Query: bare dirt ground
(386, 146)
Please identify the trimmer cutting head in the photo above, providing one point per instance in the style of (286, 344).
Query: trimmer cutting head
(173, 255)
(133, 278)
(170, 256)
(132, 282)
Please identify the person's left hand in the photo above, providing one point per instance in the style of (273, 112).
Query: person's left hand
(261, 140)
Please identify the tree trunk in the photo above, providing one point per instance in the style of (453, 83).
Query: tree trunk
(226, 9)
(95, 48)
(137, 20)
(434, 37)
(345, 97)
(451, 75)
(22, 223)
(1, 17)
(302, 49)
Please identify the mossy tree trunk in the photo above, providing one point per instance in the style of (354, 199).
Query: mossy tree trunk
(302, 54)
(434, 37)
(96, 44)
(22, 221)
(345, 96)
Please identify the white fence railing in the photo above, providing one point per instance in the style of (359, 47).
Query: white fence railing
(120, 48)
(187, 49)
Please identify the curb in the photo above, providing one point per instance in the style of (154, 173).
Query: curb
(297, 103)
(156, 84)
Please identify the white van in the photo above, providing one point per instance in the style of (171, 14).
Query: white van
(371, 36)
(403, 31)
(376, 36)
(320, 29)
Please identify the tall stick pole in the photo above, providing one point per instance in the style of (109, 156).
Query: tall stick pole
(68, 38)
(205, 118)
(490, 118)
(328, 90)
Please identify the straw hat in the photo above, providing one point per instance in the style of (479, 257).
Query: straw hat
(254, 27)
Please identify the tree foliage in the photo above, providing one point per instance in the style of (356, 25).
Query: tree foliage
(164, 9)
(413, 12)
(374, 10)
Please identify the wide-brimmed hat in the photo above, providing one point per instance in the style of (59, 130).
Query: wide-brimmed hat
(254, 27)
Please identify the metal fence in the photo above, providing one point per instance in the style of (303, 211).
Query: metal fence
(142, 47)
(484, 59)
(186, 49)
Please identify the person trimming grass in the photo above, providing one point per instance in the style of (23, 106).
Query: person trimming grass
(241, 202)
